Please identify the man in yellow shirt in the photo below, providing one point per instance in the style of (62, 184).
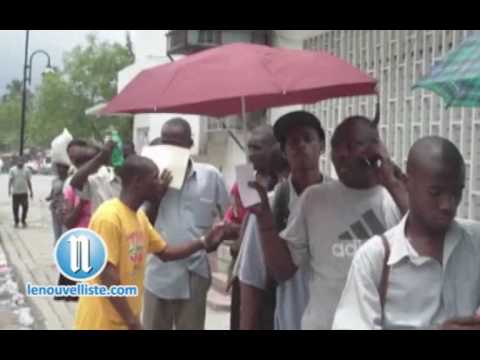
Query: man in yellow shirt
(129, 237)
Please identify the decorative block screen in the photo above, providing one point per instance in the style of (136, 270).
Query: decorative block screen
(397, 59)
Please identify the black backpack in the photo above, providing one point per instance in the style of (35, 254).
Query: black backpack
(280, 209)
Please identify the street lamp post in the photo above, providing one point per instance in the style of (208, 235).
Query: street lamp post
(27, 78)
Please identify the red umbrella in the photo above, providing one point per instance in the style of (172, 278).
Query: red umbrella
(240, 78)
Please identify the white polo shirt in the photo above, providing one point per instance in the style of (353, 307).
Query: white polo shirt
(421, 292)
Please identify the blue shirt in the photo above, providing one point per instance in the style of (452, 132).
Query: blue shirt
(185, 215)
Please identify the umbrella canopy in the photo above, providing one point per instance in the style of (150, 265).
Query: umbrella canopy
(238, 78)
(457, 78)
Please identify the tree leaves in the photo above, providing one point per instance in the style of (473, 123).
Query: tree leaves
(89, 77)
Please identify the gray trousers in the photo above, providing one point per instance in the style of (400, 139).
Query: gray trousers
(163, 314)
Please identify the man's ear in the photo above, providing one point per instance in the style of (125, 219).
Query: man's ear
(376, 119)
(322, 147)
(191, 143)
(407, 181)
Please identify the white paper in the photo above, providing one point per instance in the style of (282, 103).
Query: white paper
(246, 174)
(169, 157)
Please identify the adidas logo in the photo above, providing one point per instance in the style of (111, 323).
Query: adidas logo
(351, 240)
(344, 249)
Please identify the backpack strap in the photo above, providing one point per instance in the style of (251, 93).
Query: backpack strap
(280, 208)
(383, 287)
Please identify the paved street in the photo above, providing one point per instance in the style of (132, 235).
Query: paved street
(30, 254)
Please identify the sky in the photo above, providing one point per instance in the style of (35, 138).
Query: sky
(54, 42)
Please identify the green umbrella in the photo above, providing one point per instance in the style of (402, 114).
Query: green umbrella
(457, 78)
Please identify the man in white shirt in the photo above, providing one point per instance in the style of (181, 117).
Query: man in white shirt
(332, 220)
(425, 272)
(302, 140)
(19, 185)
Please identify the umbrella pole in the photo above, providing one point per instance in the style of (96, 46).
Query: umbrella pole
(244, 124)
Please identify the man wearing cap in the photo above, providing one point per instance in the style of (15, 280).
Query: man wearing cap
(331, 220)
(302, 140)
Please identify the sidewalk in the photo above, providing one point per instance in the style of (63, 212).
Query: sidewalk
(34, 264)
(15, 312)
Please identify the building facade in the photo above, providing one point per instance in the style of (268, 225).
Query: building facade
(398, 59)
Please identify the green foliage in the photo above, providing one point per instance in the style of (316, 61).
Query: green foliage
(89, 77)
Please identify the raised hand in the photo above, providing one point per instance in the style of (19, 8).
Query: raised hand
(387, 172)
(165, 180)
(107, 151)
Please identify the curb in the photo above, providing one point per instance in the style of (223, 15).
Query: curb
(39, 323)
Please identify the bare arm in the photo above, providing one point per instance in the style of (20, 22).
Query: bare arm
(110, 277)
(393, 179)
(29, 183)
(172, 253)
(72, 214)
(234, 234)
(277, 254)
(250, 307)
(92, 166)
(210, 243)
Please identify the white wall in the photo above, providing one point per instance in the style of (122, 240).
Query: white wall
(148, 43)
(289, 39)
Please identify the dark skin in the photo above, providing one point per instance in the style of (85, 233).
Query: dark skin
(436, 179)
(92, 165)
(359, 141)
(173, 135)
(79, 156)
(134, 193)
(62, 172)
(260, 148)
(100, 158)
(303, 149)
(355, 169)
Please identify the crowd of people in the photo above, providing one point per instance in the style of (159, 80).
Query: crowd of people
(377, 248)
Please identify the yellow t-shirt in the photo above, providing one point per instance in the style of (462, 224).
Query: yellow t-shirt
(129, 237)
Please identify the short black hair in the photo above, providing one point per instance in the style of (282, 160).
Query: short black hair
(279, 160)
(180, 122)
(340, 131)
(441, 148)
(293, 119)
(76, 142)
(156, 141)
(265, 132)
(135, 165)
